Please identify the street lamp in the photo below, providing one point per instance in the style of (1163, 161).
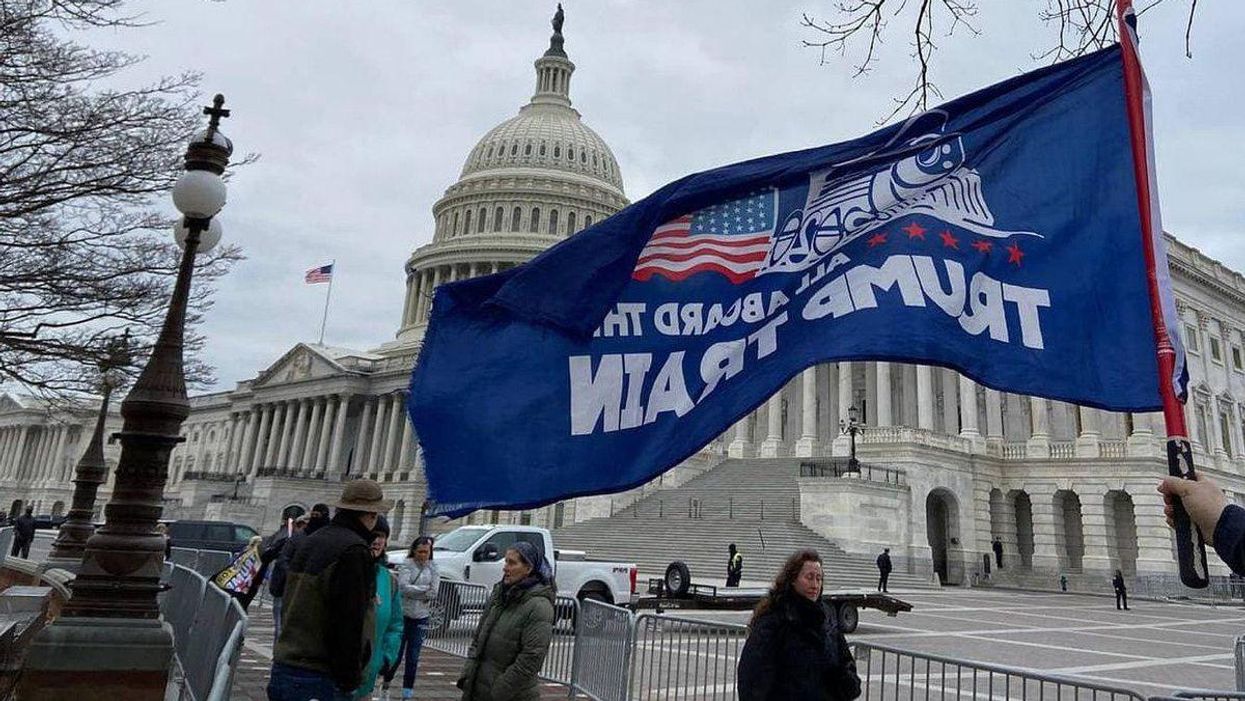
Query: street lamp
(121, 567)
(91, 470)
(852, 427)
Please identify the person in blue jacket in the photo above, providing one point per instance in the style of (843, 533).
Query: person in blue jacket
(388, 614)
(1221, 522)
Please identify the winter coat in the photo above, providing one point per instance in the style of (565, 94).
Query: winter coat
(418, 585)
(24, 528)
(1118, 583)
(795, 651)
(328, 615)
(510, 644)
(388, 630)
(884, 563)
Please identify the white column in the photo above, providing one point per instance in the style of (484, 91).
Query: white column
(266, 443)
(1039, 441)
(389, 461)
(840, 445)
(772, 445)
(807, 445)
(326, 432)
(925, 397)
(302, 416)
(58, 471)
(45, 435)
(1087, 443)
(18, 451)
(201, 431)
(741, 446)
(950, 403)
(315, 426)
(6, 447)
(406, 451)
(366, 426)
(339, 432)
(994, 415)
(246, 454)
(1141, 438)
(374, 457)
(886, 416)
(287, 430)
(968, 412)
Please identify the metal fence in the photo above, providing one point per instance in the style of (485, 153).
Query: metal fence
(603, 643)
(683, 658)
(1168, 586)
(208, 630)
(205, 562)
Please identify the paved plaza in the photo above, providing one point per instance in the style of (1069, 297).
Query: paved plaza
(1154, 649)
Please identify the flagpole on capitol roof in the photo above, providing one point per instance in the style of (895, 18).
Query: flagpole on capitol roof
(327, 296)
(1190, 544)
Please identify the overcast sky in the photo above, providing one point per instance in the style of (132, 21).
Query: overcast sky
(364, 112)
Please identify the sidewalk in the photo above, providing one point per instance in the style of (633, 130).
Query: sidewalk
(437, 670)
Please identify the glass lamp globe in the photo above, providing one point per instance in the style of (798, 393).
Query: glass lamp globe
(207, 239)
(199, 193)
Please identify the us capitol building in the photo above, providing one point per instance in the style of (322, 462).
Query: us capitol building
(1066, 488)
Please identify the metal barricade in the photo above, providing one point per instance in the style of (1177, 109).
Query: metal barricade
(208, 629)
(682, 658)
(455, 614)
(1238, 653)
(186, 557)
(212, 561)
(603, 641)
(560, 661)
(887, 672)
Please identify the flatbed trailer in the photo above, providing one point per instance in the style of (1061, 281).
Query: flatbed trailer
(846, 604)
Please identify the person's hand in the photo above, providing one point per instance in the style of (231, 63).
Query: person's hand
(1202, 498)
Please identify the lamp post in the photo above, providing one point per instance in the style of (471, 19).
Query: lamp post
(91, 470)
(109, 641)
(852, 427)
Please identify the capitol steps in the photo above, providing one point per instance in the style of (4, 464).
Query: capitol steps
(750, 502)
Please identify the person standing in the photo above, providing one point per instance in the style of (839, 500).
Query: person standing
(794, 648)
(734, 566)
(1121, 591)
(513, 636)
(884, 568)
(304, 526)
(418, 582)
(328, 621)
(997, 546)
(388, 633)
(23, 534)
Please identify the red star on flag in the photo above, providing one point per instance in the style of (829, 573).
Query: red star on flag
(877, 240)
(950, 241)
(983, 246)
(1014, 254)
(914, 231)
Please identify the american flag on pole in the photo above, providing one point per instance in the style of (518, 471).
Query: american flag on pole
(315, 276)
(732, 239)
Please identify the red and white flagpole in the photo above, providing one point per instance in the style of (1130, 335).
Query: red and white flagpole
(1190, 545)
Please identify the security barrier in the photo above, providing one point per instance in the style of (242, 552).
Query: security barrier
(681, 658)
(603, 644)
(208, 630)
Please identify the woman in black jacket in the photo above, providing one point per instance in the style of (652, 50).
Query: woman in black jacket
(794, 648)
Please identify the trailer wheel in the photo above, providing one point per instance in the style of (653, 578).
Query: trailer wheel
(678, 579)
(849, 618)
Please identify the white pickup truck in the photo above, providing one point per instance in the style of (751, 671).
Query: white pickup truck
(475, 553)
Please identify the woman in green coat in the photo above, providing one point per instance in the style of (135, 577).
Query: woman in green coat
(513, 636)
(388, 635)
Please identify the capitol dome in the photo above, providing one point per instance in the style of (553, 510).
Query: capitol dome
(530, 182)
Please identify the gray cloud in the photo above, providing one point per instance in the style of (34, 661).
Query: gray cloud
(365, 112)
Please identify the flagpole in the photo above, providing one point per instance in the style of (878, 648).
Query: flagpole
(1190, 544)
(327, 296)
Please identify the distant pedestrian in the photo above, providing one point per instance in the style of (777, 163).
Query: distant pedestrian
(998, 551)
(1121, 591)
(388, 634)
(329, 618)
(23, 534)
(794, 648)
(513, 636)
(163, 530)
(884, 569)
(304, 526)
(1063, 582)
(734, 566)
(418, 582)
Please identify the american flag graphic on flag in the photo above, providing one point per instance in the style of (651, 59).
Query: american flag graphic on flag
(315, 276)
(731, 239)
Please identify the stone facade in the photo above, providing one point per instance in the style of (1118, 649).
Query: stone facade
(1067, 489)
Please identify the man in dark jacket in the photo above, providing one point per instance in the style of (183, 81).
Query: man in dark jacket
(997, 546)
(884, 568)
(734, 566)
(23, 534)
(328, 620)
(303, 526)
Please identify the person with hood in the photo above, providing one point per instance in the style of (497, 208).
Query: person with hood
(513, 635)
(388, 634)
(329, 619)
(418, 581)
(1121, 591)
(312, 522)
(794, 648)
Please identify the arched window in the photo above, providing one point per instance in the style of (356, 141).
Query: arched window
(583, 157)
(514, 219)
(534, 224)
(514, 149)
(587, 221)
(490, 151)
(542, 148)
(480, 224)
(454, 232)
(467, 222)
(527, 150)
(570, 223)
(553, 222)
(557, 151)
(498, 215)
(570, 153)
(594, 159)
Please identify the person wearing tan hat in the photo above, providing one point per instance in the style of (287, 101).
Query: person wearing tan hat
(328, 617)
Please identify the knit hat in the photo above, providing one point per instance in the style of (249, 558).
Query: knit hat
(382, 526)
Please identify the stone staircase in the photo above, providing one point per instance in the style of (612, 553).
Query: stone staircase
(753, 503)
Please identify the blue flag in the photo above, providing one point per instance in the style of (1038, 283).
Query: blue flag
(997, 235)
